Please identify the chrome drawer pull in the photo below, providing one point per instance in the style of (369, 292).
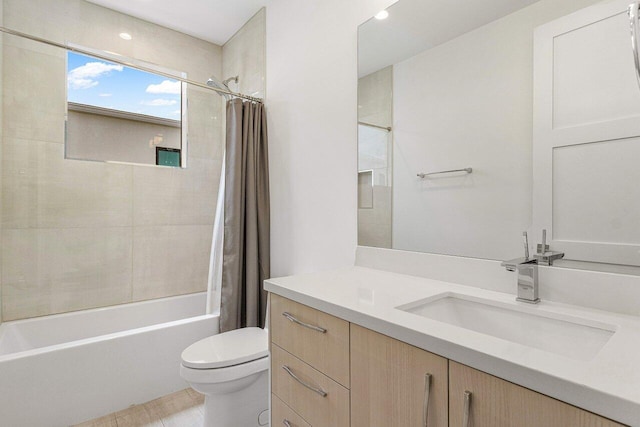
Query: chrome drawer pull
(306, 325)
(286, 423)
(320, 391)
(425, 403)
(467, 408)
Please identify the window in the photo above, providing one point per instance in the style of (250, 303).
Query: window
(120, 113)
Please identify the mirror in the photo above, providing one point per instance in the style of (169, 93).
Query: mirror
(450, 126)
(118, 113)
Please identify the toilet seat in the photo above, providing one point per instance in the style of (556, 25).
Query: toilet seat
(227, 349)
(220, 375)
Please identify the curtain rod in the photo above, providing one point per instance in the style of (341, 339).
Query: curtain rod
(387, 128)
(128, 64)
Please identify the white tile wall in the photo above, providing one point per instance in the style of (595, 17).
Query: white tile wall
(244, 55)
(53, 270)
(42, 189)
(176, 196)
(375, 97)
(170, 259)
(78, 234)
(205, 118)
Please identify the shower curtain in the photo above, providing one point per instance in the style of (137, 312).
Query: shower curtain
(245, 244)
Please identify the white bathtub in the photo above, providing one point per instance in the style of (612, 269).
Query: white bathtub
(68, 368)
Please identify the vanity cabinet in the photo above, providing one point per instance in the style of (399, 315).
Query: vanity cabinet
(395, 383)
(309, 366)
(499, 403)
(326, 372)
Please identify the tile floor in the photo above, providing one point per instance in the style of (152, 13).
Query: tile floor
(180, 409)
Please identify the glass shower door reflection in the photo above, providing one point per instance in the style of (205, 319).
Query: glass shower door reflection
(374, 186)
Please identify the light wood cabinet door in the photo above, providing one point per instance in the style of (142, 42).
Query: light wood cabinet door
(299, 330)
(318, 399)
(497, 403)
(388, 383)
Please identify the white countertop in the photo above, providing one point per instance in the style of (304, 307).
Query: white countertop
(608, 384)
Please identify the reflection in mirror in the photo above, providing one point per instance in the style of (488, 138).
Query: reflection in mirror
(375, 157)
(121, 114)
(456, 86)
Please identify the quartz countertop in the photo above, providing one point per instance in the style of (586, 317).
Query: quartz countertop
(607, 384)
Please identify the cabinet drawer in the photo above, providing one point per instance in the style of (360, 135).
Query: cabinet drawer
(281, 414)
(499, 403)
(331, 410)
(294, 327)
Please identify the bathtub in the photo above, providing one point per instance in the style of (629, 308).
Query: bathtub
(67, 368)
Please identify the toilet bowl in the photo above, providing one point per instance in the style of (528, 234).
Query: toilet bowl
(231, 370)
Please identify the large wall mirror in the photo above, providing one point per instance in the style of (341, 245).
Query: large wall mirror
(479, 122)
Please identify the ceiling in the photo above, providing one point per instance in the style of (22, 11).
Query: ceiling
(212, 20)
(414, 26)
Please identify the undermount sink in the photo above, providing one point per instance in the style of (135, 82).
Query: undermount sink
(568, 336)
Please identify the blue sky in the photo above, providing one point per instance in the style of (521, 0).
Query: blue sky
(106, 84)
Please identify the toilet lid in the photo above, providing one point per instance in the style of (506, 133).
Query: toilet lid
(227, 349)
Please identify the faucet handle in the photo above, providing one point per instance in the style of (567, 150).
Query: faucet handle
(544, 256)
(525, 241)
(540, 251)
(542, 248)
(512, 264)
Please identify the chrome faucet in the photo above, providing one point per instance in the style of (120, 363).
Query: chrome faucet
(527, 268)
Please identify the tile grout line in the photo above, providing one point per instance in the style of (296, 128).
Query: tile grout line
(133, 221)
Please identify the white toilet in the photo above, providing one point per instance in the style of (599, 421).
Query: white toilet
(231, 370)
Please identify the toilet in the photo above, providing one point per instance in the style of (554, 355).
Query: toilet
(231, 370)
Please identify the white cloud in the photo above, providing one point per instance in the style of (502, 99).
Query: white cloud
(160, 102)
(83, 77)
(167, 86)
(105, 94)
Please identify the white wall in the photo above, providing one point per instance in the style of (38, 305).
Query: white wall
(311, 109)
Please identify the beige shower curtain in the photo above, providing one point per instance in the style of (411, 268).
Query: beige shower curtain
(245, 262)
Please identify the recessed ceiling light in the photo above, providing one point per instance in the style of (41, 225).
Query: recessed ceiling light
(383, 14)
(125, 36)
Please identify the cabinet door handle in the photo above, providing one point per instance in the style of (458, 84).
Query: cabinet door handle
(467, 409)
(425, 402)
(286, 423)
(301, 323)
(320, 391)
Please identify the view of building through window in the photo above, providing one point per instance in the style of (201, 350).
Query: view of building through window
(105, 84)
